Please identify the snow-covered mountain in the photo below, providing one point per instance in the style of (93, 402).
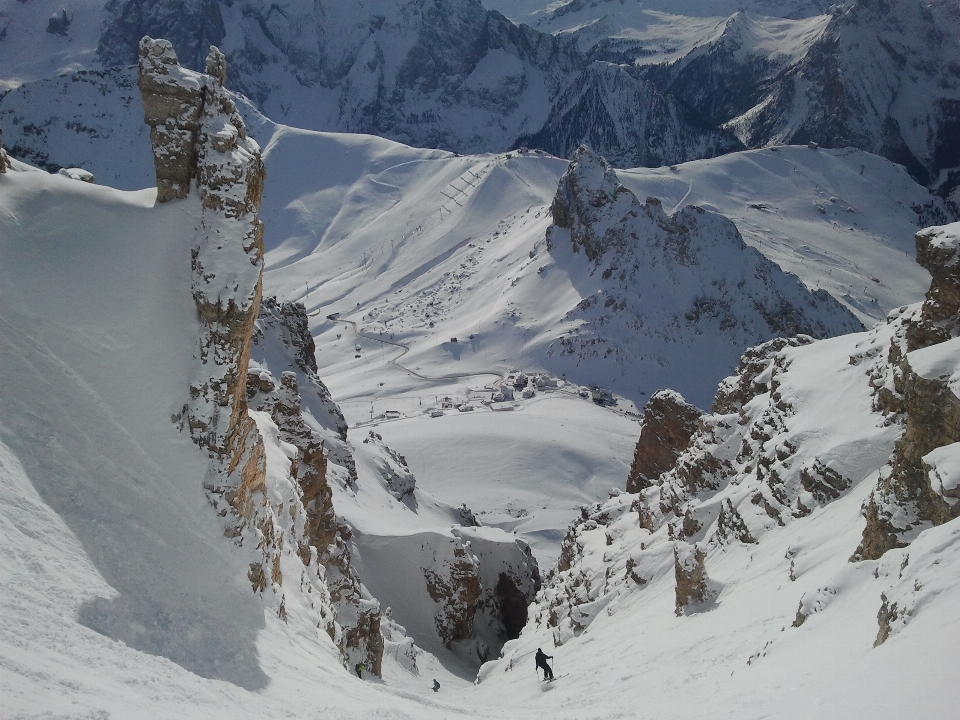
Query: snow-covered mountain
(451, 75)
(881, 77)
(301, 430)
(109, 534)
(672, 289)
(641, 84)
(877, 76)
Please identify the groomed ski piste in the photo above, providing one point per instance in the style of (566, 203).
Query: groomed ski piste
(103, 500)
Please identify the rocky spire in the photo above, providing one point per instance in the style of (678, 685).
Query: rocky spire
(201, 146)
(669, 423)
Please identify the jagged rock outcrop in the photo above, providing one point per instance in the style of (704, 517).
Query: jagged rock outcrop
(693, 587)
(197, 136)
(59, 23)
(509, 581)
(308, 420)
(714, 295)
(906, 500)
(482, 590)
(669, 423)
(5, 163)
(939, 253)
(456, 590)
(172, 98)
(393, 469)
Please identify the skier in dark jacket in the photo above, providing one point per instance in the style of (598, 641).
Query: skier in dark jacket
(542, 664)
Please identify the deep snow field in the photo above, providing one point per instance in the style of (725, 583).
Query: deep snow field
(395, 251)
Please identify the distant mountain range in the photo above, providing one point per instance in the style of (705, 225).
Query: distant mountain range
(642, 85)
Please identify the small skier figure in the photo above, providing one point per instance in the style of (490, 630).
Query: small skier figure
(542, 664)
(436, 685)
(359, 667)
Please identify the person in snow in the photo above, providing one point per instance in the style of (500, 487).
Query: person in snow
(436, 685)
(359, 667)
(542, 664)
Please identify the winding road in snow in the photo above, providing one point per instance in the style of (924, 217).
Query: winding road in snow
(404, 349)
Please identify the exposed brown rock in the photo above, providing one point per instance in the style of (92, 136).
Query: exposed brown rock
(669, 423)
(940, 313)
(693, 587)
(324, 535)
(904, 498)
(457, 594)
(730, 525)
(172, 100)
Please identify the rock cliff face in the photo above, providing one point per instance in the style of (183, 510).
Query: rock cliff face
(669, 423)
(309, 421)
(654, 282)
(693, 586)
(200, 145)
(482, 587)
(198, 138)
(906, 500)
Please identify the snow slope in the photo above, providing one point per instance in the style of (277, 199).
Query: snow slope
(96, 350)
(32, 52)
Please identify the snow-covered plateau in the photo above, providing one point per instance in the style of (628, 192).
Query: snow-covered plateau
(298, 423)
